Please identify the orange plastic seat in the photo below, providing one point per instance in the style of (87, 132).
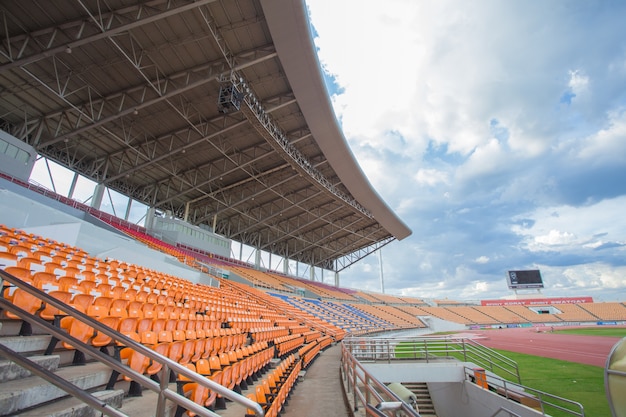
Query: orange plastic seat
(216, 345)
(119, 308)
(25, 301)
(71, 271)
(101, 339)
(175, 351)
(188, 351)
(117, 292)
(21, 251)
(147, 310)
(130, 294)
(100, 307)
(7, 259)
(141, 296)
(20, 273)
(134, 309)
(29, 263)
(81, 302)
(50, 312)
(87, 286)
(105, 289)
(54, 268)
(79, 330)
(155, 367)
(42, 279)
(260, 398)
(65, 282)
(144, 324)
(214, 363)
(134, 360)
(128, 327)
(203, 367)
(198, 393)
(198, 350)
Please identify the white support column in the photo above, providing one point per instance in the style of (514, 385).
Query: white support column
(336, 279)
(186, 216)
(149, 222)
(70, 194)
(98, 193)
(128, 206)
(257, 258)
(382, 277)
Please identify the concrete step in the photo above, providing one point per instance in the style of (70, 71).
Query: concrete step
(36, 345)
(33, 391)
(10, 371)
(27, 344)
(12, 327)
(73, 407)
(146, 405)
(424, 401)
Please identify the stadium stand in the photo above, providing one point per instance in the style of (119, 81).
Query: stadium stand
(192, 316)
(605, 311)
(229, 333)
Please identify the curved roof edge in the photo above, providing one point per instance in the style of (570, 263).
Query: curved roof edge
(290, 29)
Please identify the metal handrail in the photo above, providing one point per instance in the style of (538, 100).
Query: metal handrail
(429, 348)
(544, 398)
(164, 392)
(487, 356)
(366, 388)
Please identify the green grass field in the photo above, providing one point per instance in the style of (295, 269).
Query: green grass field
(594, 331)
(576, 382)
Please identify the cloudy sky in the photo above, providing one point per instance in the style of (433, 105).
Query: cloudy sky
(496, 130)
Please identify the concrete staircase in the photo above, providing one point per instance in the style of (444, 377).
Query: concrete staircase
(424, 402)
(28, 395)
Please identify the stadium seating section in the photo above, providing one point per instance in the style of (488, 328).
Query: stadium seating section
(230, 332)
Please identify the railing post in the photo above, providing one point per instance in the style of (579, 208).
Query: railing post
(354, 382)
(164, 375)
(464, 350)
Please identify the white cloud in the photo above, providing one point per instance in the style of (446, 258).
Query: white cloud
(606, 145)
(482, 259)
(431, 177)
(476, 140)
(555, 238)
(561, 225)
(578, 82)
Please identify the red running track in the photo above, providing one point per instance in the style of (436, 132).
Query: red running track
(590, 350)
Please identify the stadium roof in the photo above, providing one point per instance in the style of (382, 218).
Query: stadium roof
(144, 97)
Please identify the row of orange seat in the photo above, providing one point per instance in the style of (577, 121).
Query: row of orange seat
(271, 394)
(309, 352)
(226, 370)
(287, 344)
(267, 333)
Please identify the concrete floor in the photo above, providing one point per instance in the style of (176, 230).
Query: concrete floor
(321, 391)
